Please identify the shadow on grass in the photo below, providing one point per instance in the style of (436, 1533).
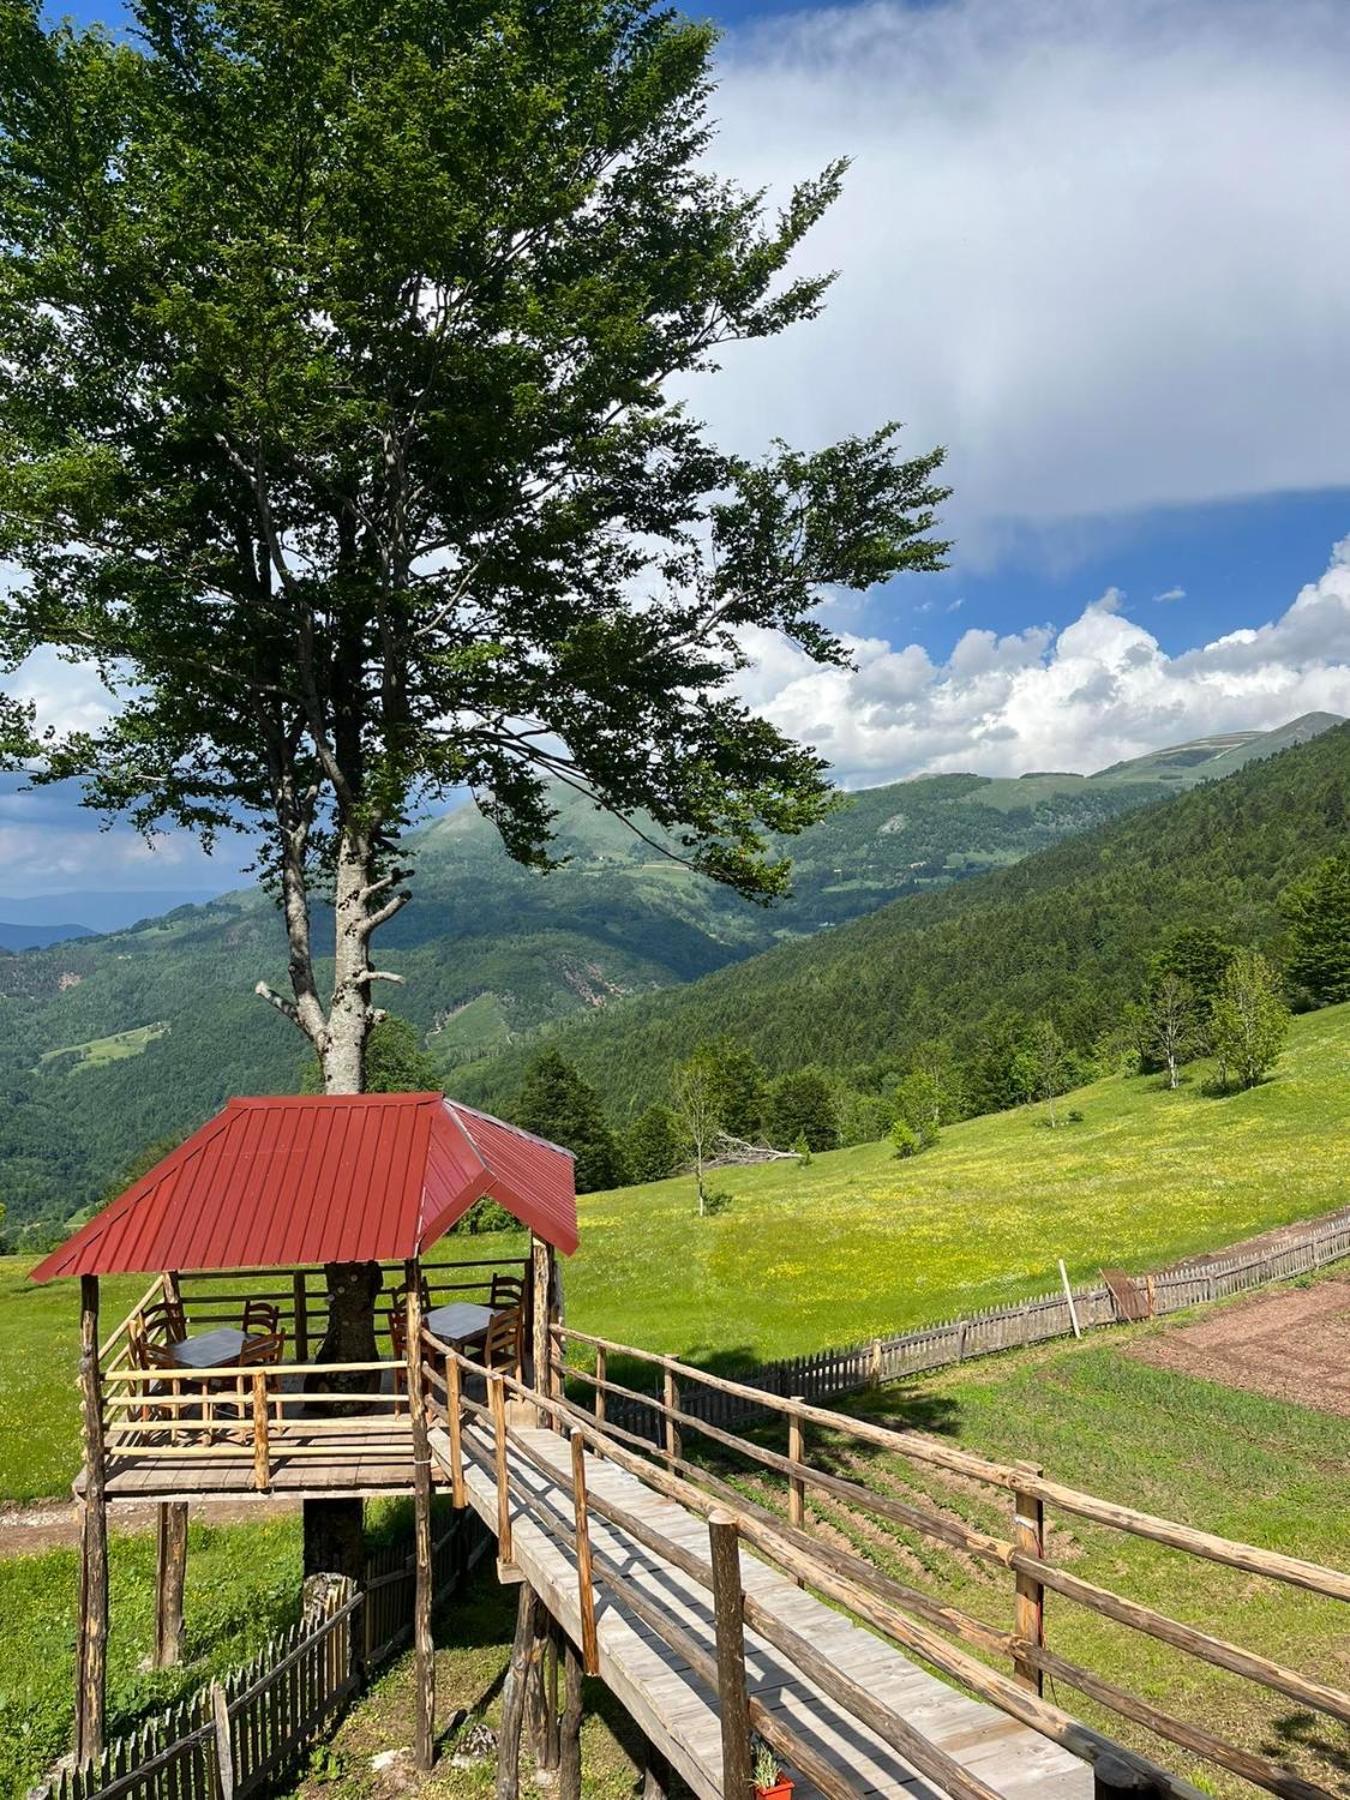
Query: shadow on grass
(1308, 1731)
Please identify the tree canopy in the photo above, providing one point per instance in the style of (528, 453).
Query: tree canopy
(336, 349)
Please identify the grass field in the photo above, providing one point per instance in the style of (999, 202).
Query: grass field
(857, 1242)
(1096, 1416)
(1093, 1414)
(116, 1048)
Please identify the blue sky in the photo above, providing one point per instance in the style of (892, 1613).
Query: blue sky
(1098, 252)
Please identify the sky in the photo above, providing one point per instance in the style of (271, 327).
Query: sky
(1097, 250)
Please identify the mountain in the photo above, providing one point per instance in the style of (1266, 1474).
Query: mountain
(37, 937)
(110, 1043)
(97, 909)
(1067, 932)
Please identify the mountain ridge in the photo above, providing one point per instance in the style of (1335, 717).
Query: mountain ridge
(491, 953)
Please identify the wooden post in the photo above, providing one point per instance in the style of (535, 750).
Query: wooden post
(170, 1572)
(601, 1375)
(300, 1291)
(1029, 1607)
(569, 1763)
(454, 1425)
(497, 1400)
(220, 1718)
(93, 1624)
(541, 1294)
(1068, 1295)
(1113, 1777)
(671, 1395)
(590, 1648)
(262, 1469)
(424, 1650)
(797, 1454)
(657, 1781)
(729, 1618)
(513, 1694)
(796, 1487)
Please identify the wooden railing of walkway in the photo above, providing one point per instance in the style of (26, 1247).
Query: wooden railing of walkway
(915, 1621)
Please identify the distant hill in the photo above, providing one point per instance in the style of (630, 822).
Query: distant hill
(1067, 932)
(38, 937)
(491, 952)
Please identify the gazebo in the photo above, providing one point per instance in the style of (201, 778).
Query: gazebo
(274, 1228)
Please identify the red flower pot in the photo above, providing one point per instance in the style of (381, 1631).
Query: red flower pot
(781, 1790)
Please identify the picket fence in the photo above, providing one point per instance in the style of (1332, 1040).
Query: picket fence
(830, 1373)
(241, 1734)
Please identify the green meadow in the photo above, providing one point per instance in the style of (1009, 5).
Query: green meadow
(857, 1242)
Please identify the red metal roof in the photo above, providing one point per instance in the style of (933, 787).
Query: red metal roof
(272, 1183)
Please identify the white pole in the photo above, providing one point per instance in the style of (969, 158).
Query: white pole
(1068, 1295)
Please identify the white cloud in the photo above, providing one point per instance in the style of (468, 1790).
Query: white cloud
(1093, 248)
(1099, 690)
(1170, 594)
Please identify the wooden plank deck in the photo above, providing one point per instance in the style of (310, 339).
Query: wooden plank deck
(370, 1456)
(676, 1711)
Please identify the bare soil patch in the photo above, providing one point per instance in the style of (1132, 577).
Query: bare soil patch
(1293, 1346)
(55, 1524)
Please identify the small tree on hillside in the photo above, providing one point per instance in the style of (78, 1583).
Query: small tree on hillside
(1198, 955)
(919, 1103)
(802, 1104)
(1170, 1025)
(740, 1086)
(697, 1102)
(1318, 910)
(654, 1146)
(1249, 1020)
(1043, 1066)
(558, 1103)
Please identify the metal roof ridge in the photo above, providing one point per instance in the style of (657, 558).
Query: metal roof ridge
(531, 1137)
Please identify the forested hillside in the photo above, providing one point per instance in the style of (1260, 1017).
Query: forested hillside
(110, 1043)
(1066, 934)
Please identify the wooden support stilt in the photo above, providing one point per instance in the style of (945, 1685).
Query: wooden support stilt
(514, 1694)
(424, 1649)
(541, 1316)
(541, 1698)
(93, 1624)
(656, 1776)
(569, 1749)
(170, 1576)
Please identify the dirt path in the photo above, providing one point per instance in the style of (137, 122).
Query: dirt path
(55, 1524)
(1293, 1345)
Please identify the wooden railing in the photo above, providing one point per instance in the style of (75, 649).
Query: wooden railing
(917, 1621)
(719, 1574)
(241, 1413)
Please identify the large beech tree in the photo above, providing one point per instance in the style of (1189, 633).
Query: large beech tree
(336, 352)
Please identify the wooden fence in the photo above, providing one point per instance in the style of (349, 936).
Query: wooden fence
(829, 1373)
(242, 1734)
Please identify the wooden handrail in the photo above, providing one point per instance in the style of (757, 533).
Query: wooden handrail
(1208, 1546)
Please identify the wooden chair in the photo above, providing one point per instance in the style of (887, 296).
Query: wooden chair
(505, 1341)
(261, 1318)
(257, 1352)
(506, 1290)
(166, 1320)
(146, 1352)
(398, 1340)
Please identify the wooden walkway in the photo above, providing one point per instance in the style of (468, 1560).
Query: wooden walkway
(676, 1711)
(354, 1459)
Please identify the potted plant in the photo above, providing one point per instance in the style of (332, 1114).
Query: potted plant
(770, 1781)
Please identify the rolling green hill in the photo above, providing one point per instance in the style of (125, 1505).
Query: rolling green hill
(491, 952)
(1066, 933)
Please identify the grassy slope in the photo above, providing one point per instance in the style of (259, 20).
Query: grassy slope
(857, 1242)
(1094, 1416)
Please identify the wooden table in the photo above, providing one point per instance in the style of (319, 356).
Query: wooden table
(210, 1349)
(461, 1322)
